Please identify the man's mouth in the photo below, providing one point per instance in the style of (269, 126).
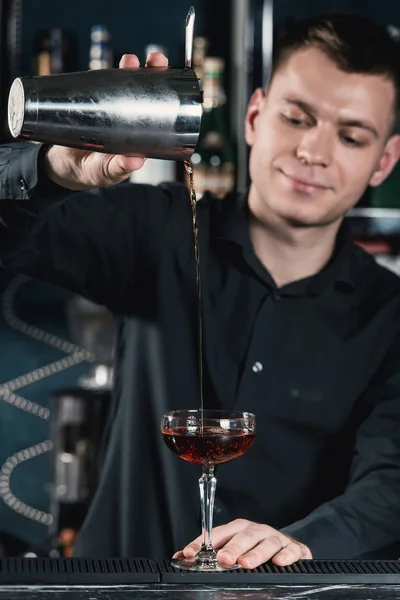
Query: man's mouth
(304, 185)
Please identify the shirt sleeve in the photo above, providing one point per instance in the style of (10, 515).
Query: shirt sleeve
(367, 516)
(99, 243)
(21, 176)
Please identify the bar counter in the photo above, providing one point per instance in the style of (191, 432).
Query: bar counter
(147, 579)
(201, 592)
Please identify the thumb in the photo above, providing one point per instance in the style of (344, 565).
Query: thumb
(120, 167)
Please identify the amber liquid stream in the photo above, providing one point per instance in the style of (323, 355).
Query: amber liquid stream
(192, 192)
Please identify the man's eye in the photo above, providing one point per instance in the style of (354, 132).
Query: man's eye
(347, 139)
(297, 122)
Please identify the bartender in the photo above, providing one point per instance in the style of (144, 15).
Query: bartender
(301, 327)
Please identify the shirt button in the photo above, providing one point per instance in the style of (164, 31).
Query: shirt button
(257, 367)
(22, 184)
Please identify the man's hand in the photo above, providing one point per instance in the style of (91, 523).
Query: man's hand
(250, 544)
(81, 170)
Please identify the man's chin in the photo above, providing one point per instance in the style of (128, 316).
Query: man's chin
(298, 222)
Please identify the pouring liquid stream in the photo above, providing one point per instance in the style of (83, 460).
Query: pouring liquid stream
(192, 192)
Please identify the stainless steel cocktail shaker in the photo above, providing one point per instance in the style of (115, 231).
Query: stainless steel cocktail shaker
(151, 112)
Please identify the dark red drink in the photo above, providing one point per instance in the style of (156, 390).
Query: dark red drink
(208, 445)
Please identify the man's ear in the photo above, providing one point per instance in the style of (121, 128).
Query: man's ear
(256, 103)
(390, 156)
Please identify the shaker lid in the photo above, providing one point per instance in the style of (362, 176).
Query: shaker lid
(16, 107)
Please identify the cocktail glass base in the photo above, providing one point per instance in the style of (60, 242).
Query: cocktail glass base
(203, 562)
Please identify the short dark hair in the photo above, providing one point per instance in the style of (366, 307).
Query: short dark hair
(354, 43)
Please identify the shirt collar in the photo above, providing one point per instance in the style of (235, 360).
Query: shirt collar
(232, 226)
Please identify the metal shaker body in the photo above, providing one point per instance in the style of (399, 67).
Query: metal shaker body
(152, 112)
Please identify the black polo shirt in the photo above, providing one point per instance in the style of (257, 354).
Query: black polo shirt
(317, 361)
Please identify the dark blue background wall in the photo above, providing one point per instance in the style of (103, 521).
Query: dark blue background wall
(133, 24)
(384, 11)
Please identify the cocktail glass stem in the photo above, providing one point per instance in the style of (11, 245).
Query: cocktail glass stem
(208, 484)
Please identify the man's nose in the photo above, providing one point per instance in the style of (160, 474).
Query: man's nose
(315, 147)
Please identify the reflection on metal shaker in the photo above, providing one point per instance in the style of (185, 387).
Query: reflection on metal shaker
(149, 112)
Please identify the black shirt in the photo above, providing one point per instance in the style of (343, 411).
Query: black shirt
(317, 361)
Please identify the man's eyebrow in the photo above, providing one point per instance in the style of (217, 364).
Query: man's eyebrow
(305, 106)
(312, 110)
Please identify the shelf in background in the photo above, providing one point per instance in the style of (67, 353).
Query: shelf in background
(374, 222)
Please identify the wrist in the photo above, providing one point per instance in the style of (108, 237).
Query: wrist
(58, 169)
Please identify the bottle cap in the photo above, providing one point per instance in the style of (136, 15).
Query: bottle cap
(154, 48)
(100, 33)
(213, 65)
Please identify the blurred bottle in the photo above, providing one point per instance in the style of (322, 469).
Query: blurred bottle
(155, 170)
(394, 32)
(54, 52)
(154, 48)
(42, 54)
(66, 540)
(214, 160)
(101, 56)
(200, 48)
(387, 194)
(10, 55)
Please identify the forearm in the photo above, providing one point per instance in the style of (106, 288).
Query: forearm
(324, 533)
(87, 241)
(365, 518)
(23, 175)
(25, 194)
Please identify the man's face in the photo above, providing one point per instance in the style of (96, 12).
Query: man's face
(319, 136)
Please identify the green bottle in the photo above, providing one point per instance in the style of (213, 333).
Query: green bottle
(387, 195)
(214, 158)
